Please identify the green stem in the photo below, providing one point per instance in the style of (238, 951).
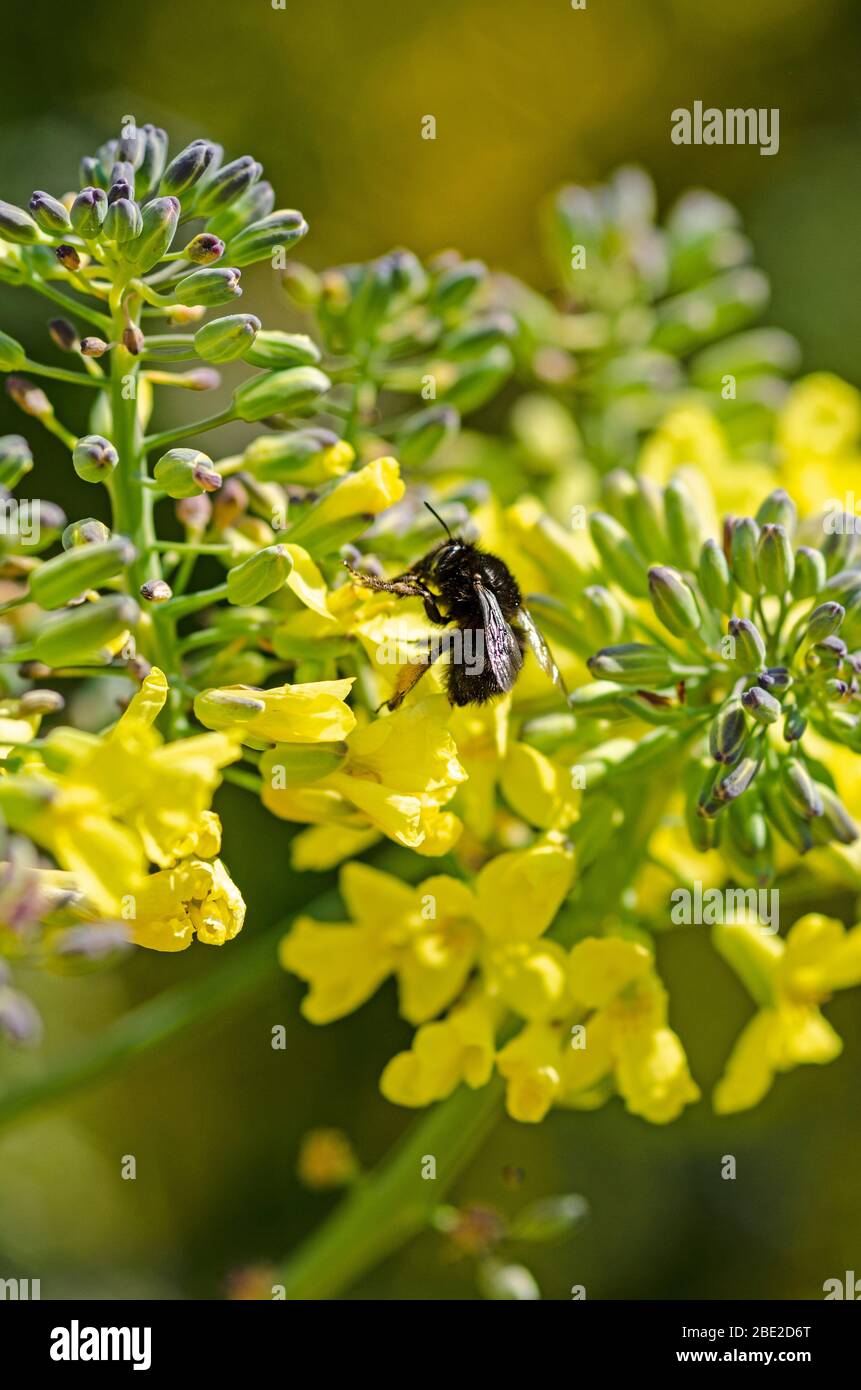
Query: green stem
(74, 306)
(133, 503)
(395, 1202)
(168, 437)
(190, 603)
(60, 374)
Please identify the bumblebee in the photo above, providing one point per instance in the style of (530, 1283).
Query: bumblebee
(475, 596)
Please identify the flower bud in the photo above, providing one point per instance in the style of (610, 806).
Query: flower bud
(94, 347)
(230, 504)
(208, 287)
(18, 226)
(735, 782)
(632, 663)
(259, 576)
(840, 545)
(12, 354)
(308, 457)
(794, 725)
(94, 458)
(29, 398)
(184, 472)
(622, 560)
(763, 706)
(158, 225)
(714, 577)
(187, 167)
(278, 231)
(68, 257)
(778, 509)
(20, 1021)
(775, 678)
(775, 563)
(88, 211)
(50, 213)
(64, 334)
(272, 349)
(603, 616)
(289, 392)
(70, 574)
(801, 790)
(357, 496)
(822, 622)
(749, 645)
(743, 552)
(133, 339)
(194, 513)
(728, 733)
(41, 702)
(120, 189)
(85, 532)
(456, 285)
(225, 185)
(673, 600)
(838, 820)
(16, 460)
(123, 221)
(204, 249)
(683, 525)
(809, 574)
(225, 339)
(425, 433)
(302, 285)
(78, 635)
(156, 591)
(152, 159)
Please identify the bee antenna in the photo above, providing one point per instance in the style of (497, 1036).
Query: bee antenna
(440, 520)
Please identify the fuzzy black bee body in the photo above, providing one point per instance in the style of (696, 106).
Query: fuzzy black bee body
(475, 596)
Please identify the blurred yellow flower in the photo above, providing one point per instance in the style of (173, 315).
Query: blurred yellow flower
(790, 980)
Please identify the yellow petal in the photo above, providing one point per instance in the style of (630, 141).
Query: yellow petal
(344, 965)
(599, 968)
(307, 582)
(520, 892)
(530, 977)
(750, 1070)
(652, 1075)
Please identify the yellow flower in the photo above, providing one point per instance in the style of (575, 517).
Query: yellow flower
(626, 1035)
(789, 979)
(313, 713)
(194, 898)
(459, 1049)
(398, 773)
(106, 808)
(817, 436)
(326, 1159)
(369, 490)
(691, 444)
(431, 937)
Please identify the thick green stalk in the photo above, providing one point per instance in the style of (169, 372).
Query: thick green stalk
(133, 503)
(394, 1203)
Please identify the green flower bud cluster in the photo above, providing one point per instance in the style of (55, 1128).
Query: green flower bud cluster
(428, 333)
(646, 309)
(751, 643)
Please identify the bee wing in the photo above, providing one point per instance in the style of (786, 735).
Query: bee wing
(539, 648)
(501, 646)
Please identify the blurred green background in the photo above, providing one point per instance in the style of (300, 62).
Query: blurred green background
(330, 95)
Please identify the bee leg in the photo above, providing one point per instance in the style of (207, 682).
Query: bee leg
(433, 611)
(407, 679)
(404, 587)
